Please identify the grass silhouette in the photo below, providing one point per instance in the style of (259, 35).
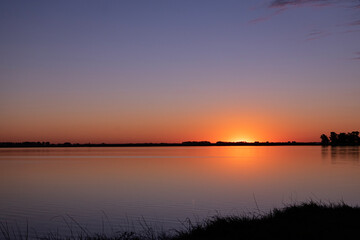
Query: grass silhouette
(311, 220)
(304, 221)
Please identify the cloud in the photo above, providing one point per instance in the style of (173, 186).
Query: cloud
(317, 3)
(317, 34)
(350, 31)
(282, 5)
(265, 18)
(357, 56)
(279, 6)
(355, 23)
(285, 3)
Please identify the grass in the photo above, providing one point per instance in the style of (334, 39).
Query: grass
(305, 221)
(311, 220)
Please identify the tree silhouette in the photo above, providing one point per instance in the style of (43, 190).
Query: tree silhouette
(354, 137)
(333, 138)
(342, 139)
(324, 140)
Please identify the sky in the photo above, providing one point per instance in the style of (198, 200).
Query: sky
(173, 71)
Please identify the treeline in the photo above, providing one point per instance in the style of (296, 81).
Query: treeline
(341, 139)
(187, 143)
(36, 144)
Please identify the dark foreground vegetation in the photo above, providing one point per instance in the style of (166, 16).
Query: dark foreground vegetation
(341, 139)
(303, 221)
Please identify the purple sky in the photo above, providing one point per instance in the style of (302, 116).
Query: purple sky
(170, 71)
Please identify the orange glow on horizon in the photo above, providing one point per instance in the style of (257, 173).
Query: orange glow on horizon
(242, 139)
(153, 127)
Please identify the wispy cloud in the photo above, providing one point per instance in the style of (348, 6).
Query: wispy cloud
(265, 18)
(316, 3)
(350, 31)
(355, 23)
(317, 34)
(357, 56)
(284, 3)
(279, 6)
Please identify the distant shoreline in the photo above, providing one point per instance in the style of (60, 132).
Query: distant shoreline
(341, 139)
(184, 144)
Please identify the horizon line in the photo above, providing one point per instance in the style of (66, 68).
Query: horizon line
(185, 143)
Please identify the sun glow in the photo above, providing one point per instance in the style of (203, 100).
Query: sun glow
(241, 140)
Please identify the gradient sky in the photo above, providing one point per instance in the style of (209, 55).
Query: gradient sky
(171, 71)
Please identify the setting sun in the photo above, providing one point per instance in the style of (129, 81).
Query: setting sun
(244, 139)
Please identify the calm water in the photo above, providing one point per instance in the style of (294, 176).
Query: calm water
(110, 189)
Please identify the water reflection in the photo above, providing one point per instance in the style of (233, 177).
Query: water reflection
(341, 154)
(166, 184)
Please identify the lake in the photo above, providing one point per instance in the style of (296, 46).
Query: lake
(110, 189)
